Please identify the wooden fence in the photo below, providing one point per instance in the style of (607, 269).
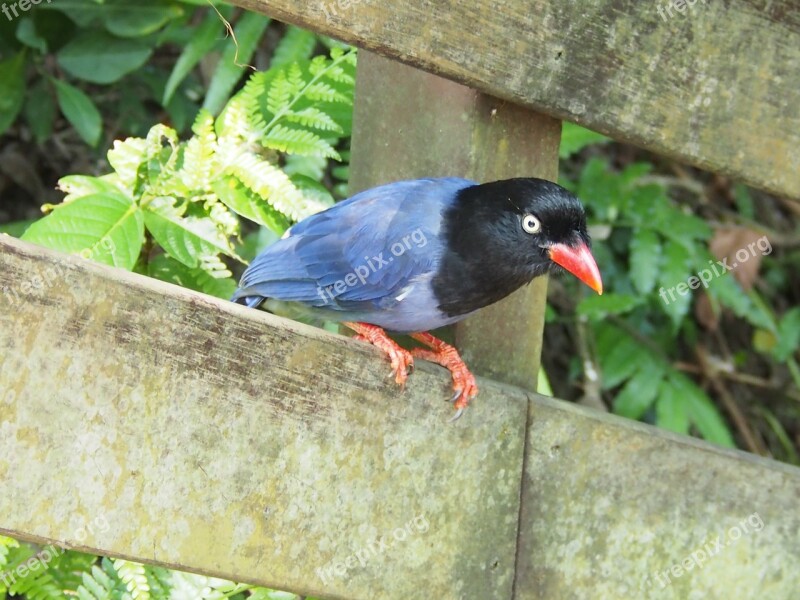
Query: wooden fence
(224, 441)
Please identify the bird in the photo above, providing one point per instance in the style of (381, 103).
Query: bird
(412, 256)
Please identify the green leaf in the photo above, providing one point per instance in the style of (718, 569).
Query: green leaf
(26, 33)
(297, 141)
(296, 45)
(645, 257)
(168, 269)
(701, 411)
(134, 577)
(789, 335)
(80, 111)
(676, 297)
(248, 204)
(200, 44)
(598, 307)
(189, 240)
(619, 354)
(40, 111)
(81, 57)
(77, 186)
(16, 229)
(105, 227)
(575, 138)
(12, 84)
(671, 408)
(140, 17)
(231, 65)
(639, 393)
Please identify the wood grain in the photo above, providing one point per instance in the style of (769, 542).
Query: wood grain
(717, 85)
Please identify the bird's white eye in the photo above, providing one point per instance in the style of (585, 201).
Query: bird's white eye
(531, 224)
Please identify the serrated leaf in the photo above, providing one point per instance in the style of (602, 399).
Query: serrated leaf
(80, 111)
(248, 204)
(12, 82)
(186, 239)
(598, 307)
(645, 258)
(77, 186)
(297, 141)
(134, 577)
(104, 227)
(120, 56)
(126, 157)
(671, 408)
(313, 117)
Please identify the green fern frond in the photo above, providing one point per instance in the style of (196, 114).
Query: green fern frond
(314, 117)
(96, 585)
(324, 92)
(297, 44)
(133, 575)
(274, 186)
(37, 584)
(298, 141)
(200, 161)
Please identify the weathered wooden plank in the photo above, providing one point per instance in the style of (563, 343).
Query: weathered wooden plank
(222, 440)
(142, 420)
(716, 84)
(409, 124)
(625, 512)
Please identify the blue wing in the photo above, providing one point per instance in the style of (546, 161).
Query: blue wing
(358, 255)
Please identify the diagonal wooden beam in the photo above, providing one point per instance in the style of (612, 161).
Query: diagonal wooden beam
(142, 420)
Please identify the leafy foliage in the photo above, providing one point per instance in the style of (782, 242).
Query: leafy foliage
(183, 197)
(56, 46)
(55, 573)
(648, 245)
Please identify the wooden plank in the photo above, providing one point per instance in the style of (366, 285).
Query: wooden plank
(410, 124)
(213, 438)
(716, 84)
(142, 420)
(614, 511)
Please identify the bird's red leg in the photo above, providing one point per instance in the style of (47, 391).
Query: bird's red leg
(444, 354)
(402, 361)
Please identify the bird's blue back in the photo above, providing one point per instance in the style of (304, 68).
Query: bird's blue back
(386, 238)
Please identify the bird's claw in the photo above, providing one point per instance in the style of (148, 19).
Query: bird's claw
(456, 416)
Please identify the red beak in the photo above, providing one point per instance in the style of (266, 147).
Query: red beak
(579, 261)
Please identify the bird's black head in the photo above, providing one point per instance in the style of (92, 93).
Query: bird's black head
(501, 235)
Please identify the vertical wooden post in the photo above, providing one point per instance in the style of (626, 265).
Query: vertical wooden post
(410, 124)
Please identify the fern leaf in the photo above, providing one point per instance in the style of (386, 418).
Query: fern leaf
(324, 92)
(200, 159)
(314, 117)
(296, 45)
(133, 575)
(298, 141)
(280, 92)
(274, 186)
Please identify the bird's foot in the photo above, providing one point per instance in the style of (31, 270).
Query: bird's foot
(401, 359)
(464, 386)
